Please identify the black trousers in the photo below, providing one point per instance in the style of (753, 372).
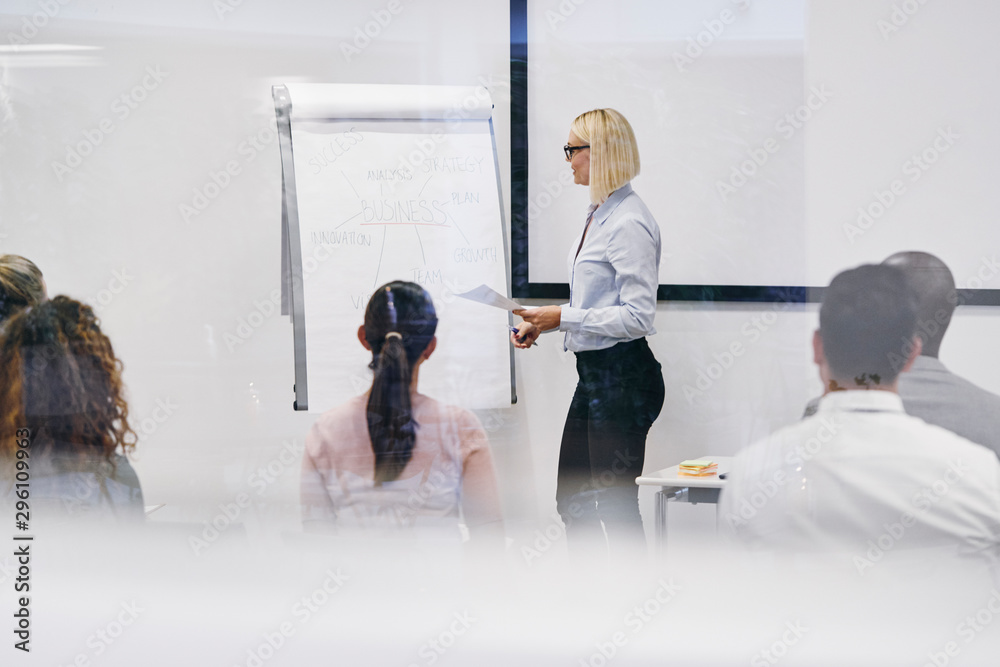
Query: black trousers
(617, 399)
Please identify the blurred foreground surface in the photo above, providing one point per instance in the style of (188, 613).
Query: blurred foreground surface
(148, 599)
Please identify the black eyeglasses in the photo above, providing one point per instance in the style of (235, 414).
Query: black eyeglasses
(569, 150)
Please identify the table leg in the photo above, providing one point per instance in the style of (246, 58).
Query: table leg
(661, 524)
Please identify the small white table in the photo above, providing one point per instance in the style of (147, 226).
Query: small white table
(682, 488)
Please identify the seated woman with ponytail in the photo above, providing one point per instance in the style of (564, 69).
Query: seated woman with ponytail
(392, 457)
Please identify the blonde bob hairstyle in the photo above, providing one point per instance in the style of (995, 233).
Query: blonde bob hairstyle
(614, 154)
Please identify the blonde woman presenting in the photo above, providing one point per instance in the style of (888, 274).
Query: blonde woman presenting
(613, 276)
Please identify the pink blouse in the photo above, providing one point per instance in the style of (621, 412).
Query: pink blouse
(450, 472)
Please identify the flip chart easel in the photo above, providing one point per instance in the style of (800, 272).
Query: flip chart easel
(389, 182)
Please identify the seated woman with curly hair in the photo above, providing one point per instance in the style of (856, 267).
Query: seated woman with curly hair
(61, 390)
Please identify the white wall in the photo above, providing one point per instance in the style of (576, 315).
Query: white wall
(912, 94)
(190, 282)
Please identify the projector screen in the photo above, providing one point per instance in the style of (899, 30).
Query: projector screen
(750, 141)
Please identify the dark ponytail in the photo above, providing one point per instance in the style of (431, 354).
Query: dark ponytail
(399, 325)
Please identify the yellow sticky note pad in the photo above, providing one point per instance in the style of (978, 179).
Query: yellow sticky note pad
(696, 464)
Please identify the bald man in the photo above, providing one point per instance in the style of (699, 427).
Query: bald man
(929, 390)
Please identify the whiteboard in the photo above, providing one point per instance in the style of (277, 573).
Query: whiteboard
(767, 163)
(704, 114)
(399, 183)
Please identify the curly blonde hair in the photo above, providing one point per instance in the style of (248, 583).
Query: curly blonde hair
(60, 379)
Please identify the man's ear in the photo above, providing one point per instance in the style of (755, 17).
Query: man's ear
(429, 350)
(918, 347)
(819, 357)
(361, 337)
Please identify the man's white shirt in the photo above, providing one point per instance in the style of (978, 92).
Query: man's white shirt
(862, 476)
